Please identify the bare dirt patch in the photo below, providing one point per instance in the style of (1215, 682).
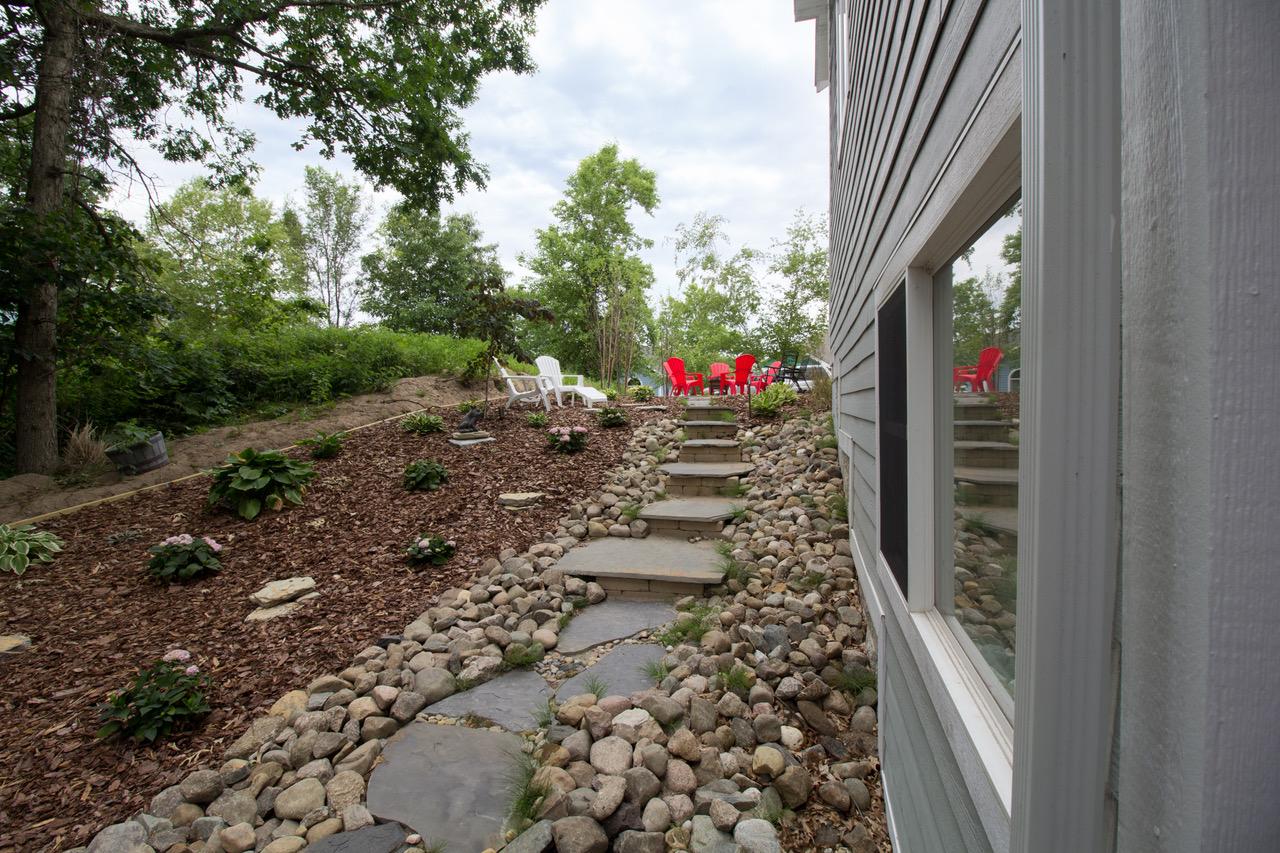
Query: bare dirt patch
(94, 615)
(28, 495)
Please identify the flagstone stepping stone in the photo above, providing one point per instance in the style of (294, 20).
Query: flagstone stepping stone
(509, 700)
(14, 643)
(383, 838)
(612, 620)
(278, 592)
(446, 783)
(622, 669)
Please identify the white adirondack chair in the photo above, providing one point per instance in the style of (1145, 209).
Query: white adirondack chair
(525, 389)
(549, 368)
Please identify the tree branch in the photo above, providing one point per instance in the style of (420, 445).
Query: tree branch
(18, 112)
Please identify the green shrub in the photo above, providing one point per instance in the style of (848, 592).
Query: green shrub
(523, 794)
(127, 435)
(470, 406)
(690, 626)
(610, 393)
(567, 439)
(656, 671)
(251, 480)
(641, 393)
(429, 548)
(854, 679)
(422, 423)
(820, 391)
(163, 696)
(597, 685)
(425, 475)
(536, 419)
(612, 418)
(23, 545)
(769, 402)
(183, 557)
(737, 679)
(324, 445)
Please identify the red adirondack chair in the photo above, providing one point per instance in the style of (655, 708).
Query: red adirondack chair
(719, 373)
(765, 379)
(742, 373)
(681, 383)
(980, 377)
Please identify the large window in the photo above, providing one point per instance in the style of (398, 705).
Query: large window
(980, 430)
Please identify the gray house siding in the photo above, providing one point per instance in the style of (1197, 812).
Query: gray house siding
(932, 89)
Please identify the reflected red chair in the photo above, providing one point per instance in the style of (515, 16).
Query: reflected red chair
(742, 366)
(681, 383)
(979, 378)
(765, 379)
(719, 373)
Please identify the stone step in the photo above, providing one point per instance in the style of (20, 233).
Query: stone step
(975, 409)
(981, 430)
(986, 454)
(1004, 519)
(685, 517)
(698, 430)
(710, 450)
(993, 486)
(651, 568)
(703, 479)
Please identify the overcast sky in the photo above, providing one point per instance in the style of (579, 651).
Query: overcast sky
(716, 96)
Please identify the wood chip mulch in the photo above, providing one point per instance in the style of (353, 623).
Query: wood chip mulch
(94, 615)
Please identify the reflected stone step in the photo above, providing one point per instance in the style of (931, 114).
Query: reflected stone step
(1003, 519)
(982, 430)
(686, 516)
(710, 450)
(651, 568)
(975, 409)
(986, 454)
(698, 430)
(994, 486)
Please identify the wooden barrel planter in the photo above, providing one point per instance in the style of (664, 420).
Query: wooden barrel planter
(144, 456)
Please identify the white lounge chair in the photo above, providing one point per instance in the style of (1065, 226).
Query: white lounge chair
(525, 389)
(549, 368)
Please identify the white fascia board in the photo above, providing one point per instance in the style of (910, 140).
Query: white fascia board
(818, 11)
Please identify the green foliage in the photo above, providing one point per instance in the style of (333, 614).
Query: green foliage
(810, 580)
(739, 514)
(820, 390)
(518, 655)
(838, 506)
(127, 435)
(769, 402)
(425, 475)
(737, 679)
(324, 445)
(630, 511)
(422, 423)
(656, 671)
(596, 685)
(536, 419)
(977, 523)
(854, 679)
(545, 715)
(337, 215)
(251, 480)
(641, 393)
(166, 695)
(523, 794)
(427, 548)
(826, 442)
(468, 406)
(567, 439)
(689, 627)
(612, 418)
(795, 318)
(23, 545)
(183, 557)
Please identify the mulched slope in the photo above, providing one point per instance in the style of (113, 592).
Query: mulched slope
(94, 615)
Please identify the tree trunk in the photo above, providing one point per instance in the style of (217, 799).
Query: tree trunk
(36, 329)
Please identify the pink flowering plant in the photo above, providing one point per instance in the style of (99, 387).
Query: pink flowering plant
(429, 548)
(183, 557)
(164, 696)
(567, 439)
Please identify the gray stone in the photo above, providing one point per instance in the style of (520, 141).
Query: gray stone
(793, 786)
(407, 705)
(260, 731)
(300, 798)
(707, 839)
(613, 620)
(754, 835)
(535, 839)
(384, 838)
(234, 807)
(579, 835)
(278, 592)
(611, 756)
(434, 684)
(510, 700)
(858, 793)
(203, 828)
(622, 669)
(164, 803)
(119, 838)
(447, 783)
(633, 841)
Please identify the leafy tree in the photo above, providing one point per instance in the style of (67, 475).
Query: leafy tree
(974, 323)
(795, 319)
(586, 267)
(421, 278)
(337, 215)
(1010, 310)
(224, 255)
(383, 79)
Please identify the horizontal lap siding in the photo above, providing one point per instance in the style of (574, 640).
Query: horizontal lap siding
(918, 71)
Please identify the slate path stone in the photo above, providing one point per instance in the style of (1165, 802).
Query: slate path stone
(612, 620)
(447, 783)
(384, 838)
(509, 700)
(622, 669)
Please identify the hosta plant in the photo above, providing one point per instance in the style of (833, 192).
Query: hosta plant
(166, 695)
(423, 423)
(641, 393)
(612, 418)
(183, 557)
(432, 549)
(536, 419)
(425, 475)
(324, 445)
(23, 545)
(567, 439)
(252, 480)
(470, 405)
(771, 400)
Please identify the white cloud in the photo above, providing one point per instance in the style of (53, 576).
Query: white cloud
(715, 96)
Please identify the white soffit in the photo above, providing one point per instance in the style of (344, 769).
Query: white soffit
(819, 12)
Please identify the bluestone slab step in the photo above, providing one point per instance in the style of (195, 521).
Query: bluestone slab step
(446, 783)
(509, 700)
(612, 620)
(622, 670)
(689, 509)
(658, 559)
